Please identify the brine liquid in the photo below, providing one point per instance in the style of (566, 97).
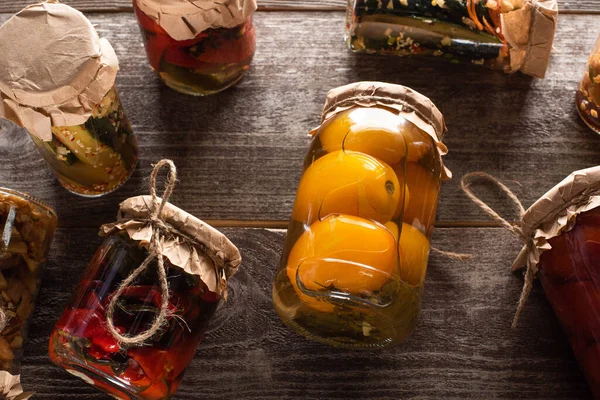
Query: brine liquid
(570, 275)
(94, 158)
(81, 343)
(356, 250)
(214, 60)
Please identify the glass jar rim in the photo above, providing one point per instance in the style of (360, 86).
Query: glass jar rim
(26, 196)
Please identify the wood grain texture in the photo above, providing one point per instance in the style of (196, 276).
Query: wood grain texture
(240, 152)
(11, 6)
(463, 347)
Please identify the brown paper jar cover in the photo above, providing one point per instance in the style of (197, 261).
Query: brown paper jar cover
(192, 245)
(185, 19)
(54, 68)
(556, 211)
(410, 104)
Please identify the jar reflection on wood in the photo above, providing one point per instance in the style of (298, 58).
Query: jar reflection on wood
(74, 115)
(355, 257)
(587, 97)
(26, 229)
(200, 48)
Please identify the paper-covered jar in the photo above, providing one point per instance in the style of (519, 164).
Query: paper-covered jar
(564, 227)
(357, 245)
(198, 47)
(57, 79)
(510, 35)
(561, 236)
(143, 304)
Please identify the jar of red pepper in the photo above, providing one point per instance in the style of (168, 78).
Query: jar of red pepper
(135, 319)
(561, 235)
(198, 47)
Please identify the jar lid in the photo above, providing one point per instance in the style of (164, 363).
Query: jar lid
(192, 244)
(556, 211)
(54, 68)
(529, 31)
(409, 104)
(185, 19)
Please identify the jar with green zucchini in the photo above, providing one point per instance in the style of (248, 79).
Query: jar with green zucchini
(96, 157)
(485, 32)
(73, 114)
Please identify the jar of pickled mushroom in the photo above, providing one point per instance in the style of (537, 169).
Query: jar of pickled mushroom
(198, 47)
(511, 35)
(587, 97)
(26, 231)
(561, 233)
(57, 79)
(143, 304)
(356, 251)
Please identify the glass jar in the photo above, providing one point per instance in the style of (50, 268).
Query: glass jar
(58, 82)
(206, 63)
(471, 31)
(27, 227)
(142, 306)
(570, 276)
(82, 344)
(561, 245)
(94, 158)
(587, 97)
(356, 251)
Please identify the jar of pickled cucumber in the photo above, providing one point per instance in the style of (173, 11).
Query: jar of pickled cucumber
(26, 230)
(587, 97)
(510, 35)
(356, 251)
(198, 47)
(57, 79)
(157, 279)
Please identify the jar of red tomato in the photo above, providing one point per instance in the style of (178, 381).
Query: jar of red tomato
(198, 47)
(141, 308)
(561, 232)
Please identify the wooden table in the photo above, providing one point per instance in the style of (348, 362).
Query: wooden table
(239, 154)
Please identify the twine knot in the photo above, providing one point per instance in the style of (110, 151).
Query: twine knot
(515, 228)
(154, 252)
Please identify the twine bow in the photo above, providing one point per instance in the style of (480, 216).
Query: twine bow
(516, 229)
(154, 252)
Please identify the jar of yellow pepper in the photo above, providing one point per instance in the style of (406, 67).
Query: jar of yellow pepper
(356, 251)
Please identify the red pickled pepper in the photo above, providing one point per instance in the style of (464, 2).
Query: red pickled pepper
(218, 50)
(570, 275)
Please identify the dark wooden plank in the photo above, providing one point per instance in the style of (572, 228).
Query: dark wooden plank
(463, 347)
(240, 152)
(125, 5)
